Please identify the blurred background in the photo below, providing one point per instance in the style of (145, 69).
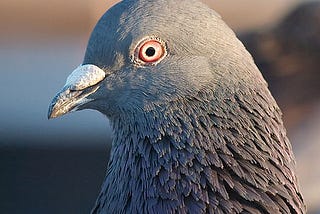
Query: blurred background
(57, 166)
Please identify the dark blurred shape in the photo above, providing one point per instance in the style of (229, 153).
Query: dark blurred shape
(288, 55)
(50, 180)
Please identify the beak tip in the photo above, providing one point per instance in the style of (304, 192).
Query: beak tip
(53, 111)
(53, 115)
(50, 114)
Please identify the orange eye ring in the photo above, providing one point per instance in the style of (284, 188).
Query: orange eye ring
(151, 51)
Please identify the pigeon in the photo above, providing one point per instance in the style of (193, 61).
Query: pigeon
(195, 128)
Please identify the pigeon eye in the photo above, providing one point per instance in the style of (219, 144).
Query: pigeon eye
(150, 51)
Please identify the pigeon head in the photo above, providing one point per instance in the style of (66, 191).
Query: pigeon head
(196, 129)
(144, 54)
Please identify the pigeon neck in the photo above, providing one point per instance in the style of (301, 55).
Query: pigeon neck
(149, 154)
(199, 153)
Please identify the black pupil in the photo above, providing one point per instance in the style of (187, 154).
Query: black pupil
(150, 51)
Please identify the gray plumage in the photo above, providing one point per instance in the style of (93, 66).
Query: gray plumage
(196, 132)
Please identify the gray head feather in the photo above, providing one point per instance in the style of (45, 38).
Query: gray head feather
(198, 131)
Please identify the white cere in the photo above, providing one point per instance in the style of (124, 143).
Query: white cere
(84, 76)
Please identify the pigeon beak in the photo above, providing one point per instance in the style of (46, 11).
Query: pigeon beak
(81, 83)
